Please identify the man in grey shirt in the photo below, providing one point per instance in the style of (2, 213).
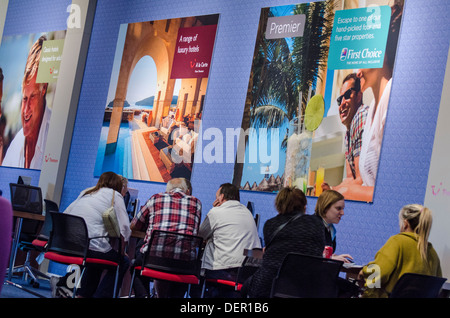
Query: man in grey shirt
(228, 229)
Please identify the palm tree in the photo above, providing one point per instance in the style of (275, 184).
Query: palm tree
(310, 53)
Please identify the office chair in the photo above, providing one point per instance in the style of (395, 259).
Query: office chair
(304, 276)
(41, 240)
(27, 198)
(69, 244)
(172, 256)
(249, 266)
(411, 285)
(6, 217)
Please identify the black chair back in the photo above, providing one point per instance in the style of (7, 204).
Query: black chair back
(304, 276)
(50, 206)
(69, 234)
(249, 266)
(173, 252)
(412, 285)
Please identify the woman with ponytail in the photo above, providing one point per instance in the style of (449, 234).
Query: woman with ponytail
(406, 252)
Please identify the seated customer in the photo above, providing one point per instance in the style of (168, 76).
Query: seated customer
(175, 210)
(406, 252)
(330, 209)
(301, 233)
(228, 229)
(90, 205)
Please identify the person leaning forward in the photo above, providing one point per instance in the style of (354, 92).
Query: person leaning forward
(174, 210)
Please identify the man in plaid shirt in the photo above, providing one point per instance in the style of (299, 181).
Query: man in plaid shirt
(175, 210)
(352, 113)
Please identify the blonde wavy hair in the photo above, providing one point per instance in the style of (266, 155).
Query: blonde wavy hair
(420, 220)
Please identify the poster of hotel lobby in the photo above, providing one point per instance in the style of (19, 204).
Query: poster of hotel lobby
(156, 97)
(318, 97)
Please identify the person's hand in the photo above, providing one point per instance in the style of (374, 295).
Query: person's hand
(325, 186)
(346, 258)
(216, 203)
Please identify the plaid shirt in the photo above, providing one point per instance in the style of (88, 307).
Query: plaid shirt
(353, 138)
(174, 211)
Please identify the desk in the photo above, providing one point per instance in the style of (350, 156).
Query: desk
(20, 215)
(351, 270)
(138, 234)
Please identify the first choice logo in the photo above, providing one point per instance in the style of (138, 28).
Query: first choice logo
(350, 54)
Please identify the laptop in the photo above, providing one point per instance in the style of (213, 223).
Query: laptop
(26, 198)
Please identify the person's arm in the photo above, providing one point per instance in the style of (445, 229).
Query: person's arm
(348, 181)
(139, 222)
(205, 230)
(378, 272)
(356, 192)
(122, 216)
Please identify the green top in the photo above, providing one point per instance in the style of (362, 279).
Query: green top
(399, 255)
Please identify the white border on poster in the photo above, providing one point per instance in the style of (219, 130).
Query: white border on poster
(3, 9)
(79, 25)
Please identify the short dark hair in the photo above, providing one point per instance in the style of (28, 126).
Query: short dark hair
(229, 191)
(355, 78)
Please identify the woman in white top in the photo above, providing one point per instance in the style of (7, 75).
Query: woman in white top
(90, 205)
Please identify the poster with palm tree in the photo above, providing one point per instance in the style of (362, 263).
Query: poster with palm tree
(293, 118)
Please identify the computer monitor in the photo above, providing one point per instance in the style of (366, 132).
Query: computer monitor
(26, 198)
(251, 207)
(24, 180)
(132, 202)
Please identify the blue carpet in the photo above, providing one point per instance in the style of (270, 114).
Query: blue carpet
(23, 289)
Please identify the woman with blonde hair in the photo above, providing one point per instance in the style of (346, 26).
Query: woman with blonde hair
(406, 252)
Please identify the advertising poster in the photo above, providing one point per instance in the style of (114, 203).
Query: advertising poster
(318, 96)
(29, 69)
(156, 98)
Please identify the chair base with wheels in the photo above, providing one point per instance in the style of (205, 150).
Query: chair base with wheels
(29, 270)
(25, 198)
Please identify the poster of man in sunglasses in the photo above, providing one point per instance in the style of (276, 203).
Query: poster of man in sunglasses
(362, 96)
(352, 113)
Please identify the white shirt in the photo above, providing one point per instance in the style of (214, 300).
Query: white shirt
(372, 138)
(15, 155)
(91, 207)
(229, 229)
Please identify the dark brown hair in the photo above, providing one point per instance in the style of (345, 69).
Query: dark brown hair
(229, 191)
(290, 200)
